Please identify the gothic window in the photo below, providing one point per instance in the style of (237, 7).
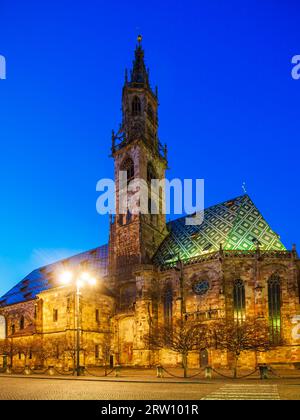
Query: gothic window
(168, 306)
(55, 315)
(152, 211)
(201, 287)
(128, 217)
(274, 303)
(136, 106)
(152, 135)
(150, 172)
(121, 219)
(97, 315)
(149, 206)
(239, 301)
(128, 167)
(68, 305)
(150, 113)
(97, 351)
(154, 318)
(22, 323)
(13, 329)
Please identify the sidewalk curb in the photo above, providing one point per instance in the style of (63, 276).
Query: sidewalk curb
(89, 379)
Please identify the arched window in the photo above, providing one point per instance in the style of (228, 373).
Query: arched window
(150, 172)
(22, 323)
(274, 303)
(128, 166)
(168, 306)
(239, 301)
(149, 206)
(121, 219)
(136, 106)
(128, 217)
(153, 211)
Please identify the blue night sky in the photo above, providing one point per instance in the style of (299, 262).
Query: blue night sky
(229, 112)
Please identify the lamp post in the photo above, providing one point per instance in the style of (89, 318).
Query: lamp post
(79, 279)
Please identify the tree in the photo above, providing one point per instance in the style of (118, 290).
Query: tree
(9, 348)
(28, 346)
(50, 349)
(182, 337)
(238, 337)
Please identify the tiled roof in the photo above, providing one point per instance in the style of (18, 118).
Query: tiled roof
(45, 278)
(236, 224)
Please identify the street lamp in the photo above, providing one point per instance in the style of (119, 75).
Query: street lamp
(79, 280)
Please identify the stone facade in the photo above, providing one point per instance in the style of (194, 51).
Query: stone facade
(141, 289)
(49, 322)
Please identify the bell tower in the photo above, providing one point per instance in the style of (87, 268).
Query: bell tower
(136, 150)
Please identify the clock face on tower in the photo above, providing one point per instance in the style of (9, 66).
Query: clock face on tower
(201, 287)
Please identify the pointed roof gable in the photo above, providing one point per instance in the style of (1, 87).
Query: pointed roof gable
(45, 278)
(235, 224)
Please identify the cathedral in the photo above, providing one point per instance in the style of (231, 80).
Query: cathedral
(232, 265)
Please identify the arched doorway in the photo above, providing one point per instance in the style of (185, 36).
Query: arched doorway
(203, 358)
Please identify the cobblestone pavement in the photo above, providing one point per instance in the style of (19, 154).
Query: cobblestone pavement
(15, 388)
(34, 389)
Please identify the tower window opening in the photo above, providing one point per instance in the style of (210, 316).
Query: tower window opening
(136, 106)
(128, 167)
(22, 323)
(274, 304)
(121, 219)
(128, 217)
(55, 315)
(150, 173)
(239, 301)
(97, 351)
(150, 113)
(168, 307)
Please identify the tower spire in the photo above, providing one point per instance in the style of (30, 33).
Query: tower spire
(139, 74)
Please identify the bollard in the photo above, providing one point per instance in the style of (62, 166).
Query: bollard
(263, 371)
(159, 371)
(51, 371)
(8, 370)
(117, 371)
(208, 372)
(27, 370)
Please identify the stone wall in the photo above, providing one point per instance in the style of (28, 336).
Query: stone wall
(218, 303)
